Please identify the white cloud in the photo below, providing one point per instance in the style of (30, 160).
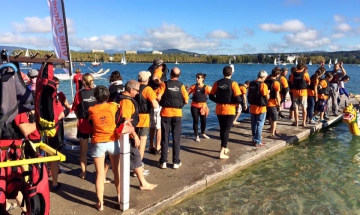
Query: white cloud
(287, 26)
(339, 18)
(219, 34)
(10, 39)
(338, 35)
(39, 25)
(334, 47)
(343, 27)
(247, 49)
(356, 19)
(307, 39)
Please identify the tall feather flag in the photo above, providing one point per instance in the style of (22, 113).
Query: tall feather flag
(59, 30)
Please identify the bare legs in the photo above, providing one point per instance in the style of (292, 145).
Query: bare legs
(144, 185)
(54, 168)
(83, 157)
(100, 177)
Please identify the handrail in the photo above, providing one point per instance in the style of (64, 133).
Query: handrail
(52, 155)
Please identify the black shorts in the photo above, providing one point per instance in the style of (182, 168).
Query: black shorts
(135, 157)
(321, 104)
(82, 136)
(272, 113)
(142, 132)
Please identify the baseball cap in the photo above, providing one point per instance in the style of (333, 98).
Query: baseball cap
(158, 61)
(144, 75)
(33, 73)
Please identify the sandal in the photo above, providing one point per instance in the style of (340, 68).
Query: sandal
(12, 207)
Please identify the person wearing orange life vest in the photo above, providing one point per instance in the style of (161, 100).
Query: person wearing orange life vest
(158, 72)
(146, 99)
(227, 95)
(243, 106)
(102, 117)
(313, 95)
(173, 96)
(300, 80)
(258, 95)
(130, 112)
(284, 87)
(323, 96)
(274, 101)
(200, 92)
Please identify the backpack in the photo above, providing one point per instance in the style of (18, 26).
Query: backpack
(15, 98)
(47, 105)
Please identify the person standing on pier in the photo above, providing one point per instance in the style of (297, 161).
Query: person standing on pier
(284, 87)
(172, 96)
(198, 105)
(146, 99)
(337, 73)
(300, 80)
(243, 106)
(273, 106)
(158, 75)
(227, 95)
(258, 95)
(77, 79)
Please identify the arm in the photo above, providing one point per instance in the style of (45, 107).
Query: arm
(343, 72)
(213, 93)
(185, 95)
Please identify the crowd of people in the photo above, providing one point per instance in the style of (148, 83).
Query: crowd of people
(152, 105)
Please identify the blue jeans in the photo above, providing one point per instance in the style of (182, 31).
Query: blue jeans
(257, 124)
(311, 107)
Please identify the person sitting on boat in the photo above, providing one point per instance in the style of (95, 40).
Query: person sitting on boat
(77, 79)
(116, 85)
(198, 105)
(32, 74)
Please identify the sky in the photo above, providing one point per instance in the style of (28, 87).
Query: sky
(206, 27)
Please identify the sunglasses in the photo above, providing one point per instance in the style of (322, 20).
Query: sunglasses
(198, 77)
(136, 90)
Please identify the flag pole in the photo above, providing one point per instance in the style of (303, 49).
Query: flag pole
(68, 50)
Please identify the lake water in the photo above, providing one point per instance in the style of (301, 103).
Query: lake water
(320, 175)
(242, 73)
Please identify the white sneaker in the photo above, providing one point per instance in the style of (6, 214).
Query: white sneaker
(197, 139)
(205, 136)
(176, 166)
(146, 172)
(162, 165)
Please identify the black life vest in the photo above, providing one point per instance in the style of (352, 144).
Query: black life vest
(87, 100)
(144, 104)
(115, 89)
(336, 77)
(15, 98)
(135, 115)
(172, 96)
(224, 92)
(254, 94)
(326, 90)
(199, 94)
(163, 78)
(299, 82)
(270, 83)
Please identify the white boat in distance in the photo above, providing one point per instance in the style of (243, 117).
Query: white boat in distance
(27, 55)
(95, 63)
(296, 62)
(336, 61)
(178, 63)
(123, 60)
(330, 65)
(98, 74)
(310, 63)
